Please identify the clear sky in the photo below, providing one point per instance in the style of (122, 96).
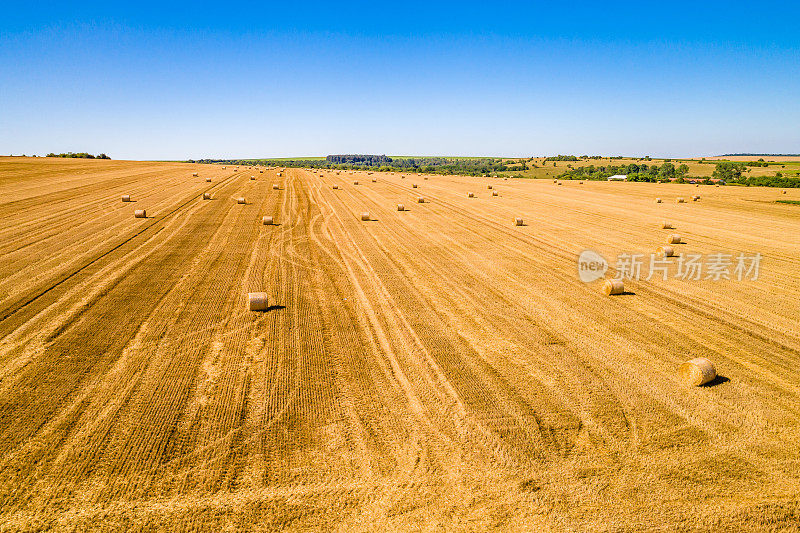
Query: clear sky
(147, 80)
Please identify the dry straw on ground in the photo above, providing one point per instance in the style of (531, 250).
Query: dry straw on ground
(698, 371)
(257, 301)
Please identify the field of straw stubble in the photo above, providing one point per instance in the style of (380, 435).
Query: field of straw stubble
(438, 367)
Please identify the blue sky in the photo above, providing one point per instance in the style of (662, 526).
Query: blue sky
(191, 80)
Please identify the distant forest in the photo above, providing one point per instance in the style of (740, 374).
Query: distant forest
(79, 155)
(470, 166)
(729, 172)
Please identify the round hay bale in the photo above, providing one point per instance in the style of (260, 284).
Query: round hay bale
(208, 180)
(519, 222)
(413, 185)
(613, 287)
(674, 238)
(260, 171)
(658, 200)
(267, 221)
(374, 180)
(140, 213)
(194, 174)
(279, 174)
(206, 196)
(420, 200)
(698, 371)
(783, 192)
(275, 186)
(560, 183)
(355, 183)
(580, 183)
(223, 168)
(494, 193)
(252, 177)
(695, 197)
(697, 185)
(335, 186)
(470, 195)
(401, 207)
(126, 197)
(555, 181)
(365, 216)
(665, 251)
(680, 200)
(667, 225)
(241, 200)
(489, 187)
(257, 301)
(425, 178)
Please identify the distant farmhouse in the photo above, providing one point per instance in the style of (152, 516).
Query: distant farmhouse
(618, 177)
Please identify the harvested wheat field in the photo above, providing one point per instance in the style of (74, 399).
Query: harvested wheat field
(437, 368)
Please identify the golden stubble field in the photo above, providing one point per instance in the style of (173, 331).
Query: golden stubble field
(436, 369)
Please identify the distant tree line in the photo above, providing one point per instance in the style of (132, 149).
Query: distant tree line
(634, 171)
(469, 166)
(79, 155)
(561, 158)
(728, 171)
(731, 172)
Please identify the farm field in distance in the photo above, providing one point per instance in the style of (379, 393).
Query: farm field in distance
(788, 166)
(434, 367)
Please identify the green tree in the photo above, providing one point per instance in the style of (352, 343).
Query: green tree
(728, 171)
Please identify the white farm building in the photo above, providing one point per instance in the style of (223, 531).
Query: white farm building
(618, 177)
